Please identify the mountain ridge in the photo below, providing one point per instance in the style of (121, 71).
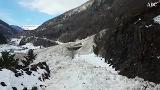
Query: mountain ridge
(9, 30)
(75, 26)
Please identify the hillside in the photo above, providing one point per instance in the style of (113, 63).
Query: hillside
(131, 44)
(131, 39)
(78, 23)
(6, 29)
(83, 70)
(107, 45)
(17, 28)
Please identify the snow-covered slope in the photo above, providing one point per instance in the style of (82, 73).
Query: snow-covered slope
(85, 71)
(20, 83)
(79, 9)
(18, 49)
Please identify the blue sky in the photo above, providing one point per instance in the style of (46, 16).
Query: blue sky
(34, 12)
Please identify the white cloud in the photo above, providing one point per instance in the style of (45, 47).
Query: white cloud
(51, 7)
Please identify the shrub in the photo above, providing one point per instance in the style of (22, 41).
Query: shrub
(25, 88)
(29, 58)
(7, 60)
(34, 88)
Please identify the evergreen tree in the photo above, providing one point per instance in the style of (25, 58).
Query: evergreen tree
(7, 60)
(29, 58)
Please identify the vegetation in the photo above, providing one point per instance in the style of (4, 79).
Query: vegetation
(99, 41)
(8, 61)
(89, 22)
(34, 88)
(131, 45)
(3, 39)
(29, 58)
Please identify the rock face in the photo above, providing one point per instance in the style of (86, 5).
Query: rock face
(131, 43)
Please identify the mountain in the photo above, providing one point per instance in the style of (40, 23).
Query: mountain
(129, 37)
(17, 28)
(78, 23)
(6, 29)
(126, 36)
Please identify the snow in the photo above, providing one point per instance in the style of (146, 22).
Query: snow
(59, 42)
(74, 70)
(85, 71)
(157, 19)
(29, 81)
(30, 27)
(79, 9)
(18, 49)
(15, 41)
(30, 46)
(6, 47)
(82, 71)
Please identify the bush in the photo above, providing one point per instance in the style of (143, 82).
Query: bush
(29, 58)
(7, 60)
(34, 88)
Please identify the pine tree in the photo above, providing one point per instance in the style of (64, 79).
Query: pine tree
(29, 58)
(7, 60)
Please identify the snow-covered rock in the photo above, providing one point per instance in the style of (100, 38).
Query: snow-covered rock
(22, 79)
(157, 19)
(15, 41)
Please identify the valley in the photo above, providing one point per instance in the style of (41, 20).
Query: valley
(100, 45)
